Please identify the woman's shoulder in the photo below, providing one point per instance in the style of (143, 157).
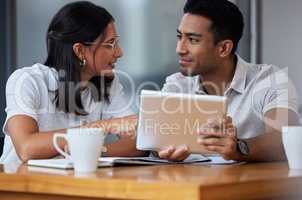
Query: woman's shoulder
(36, 74)
(37, 69)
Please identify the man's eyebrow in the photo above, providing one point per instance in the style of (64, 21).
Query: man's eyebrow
(189, 34)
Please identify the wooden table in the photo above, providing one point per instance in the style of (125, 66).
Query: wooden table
(244, 181)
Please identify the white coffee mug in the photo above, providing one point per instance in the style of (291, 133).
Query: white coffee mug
(85, 146)
(292, 141)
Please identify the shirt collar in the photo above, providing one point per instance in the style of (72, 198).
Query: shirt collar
(197, 87)
(239, 80)
(237, 84)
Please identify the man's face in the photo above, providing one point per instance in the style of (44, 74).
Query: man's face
(196, 48)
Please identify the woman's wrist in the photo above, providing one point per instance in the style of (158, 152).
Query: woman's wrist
(98, 124)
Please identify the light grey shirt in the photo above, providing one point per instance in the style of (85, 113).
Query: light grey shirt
(254, 90)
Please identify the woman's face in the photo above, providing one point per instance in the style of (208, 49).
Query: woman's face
(101, 56)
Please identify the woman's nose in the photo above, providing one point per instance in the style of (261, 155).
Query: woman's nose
(119, 52)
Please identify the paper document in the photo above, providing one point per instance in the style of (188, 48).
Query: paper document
(218, 160)
(193, 158)
(52, 163)
(58, 163)
(151, 160)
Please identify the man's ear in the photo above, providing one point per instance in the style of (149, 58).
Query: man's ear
(79, 50)
(225, 48)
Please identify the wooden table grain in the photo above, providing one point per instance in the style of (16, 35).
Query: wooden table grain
(240, 181)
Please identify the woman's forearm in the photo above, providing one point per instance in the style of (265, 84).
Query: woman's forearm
(30, 144)
(124, 147)
(39, 146)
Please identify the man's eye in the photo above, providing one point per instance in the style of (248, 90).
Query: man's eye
(178, 36)
(193, 40)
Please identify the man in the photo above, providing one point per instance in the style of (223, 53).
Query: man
(259, 102)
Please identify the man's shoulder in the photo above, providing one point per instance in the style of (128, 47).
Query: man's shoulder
(259, 72)
(267, 80)
(267, 69)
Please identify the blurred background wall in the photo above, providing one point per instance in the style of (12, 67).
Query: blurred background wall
(148, 36)
(281, 32)
(147, 29)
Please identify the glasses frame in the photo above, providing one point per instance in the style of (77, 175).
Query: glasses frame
(112, 46)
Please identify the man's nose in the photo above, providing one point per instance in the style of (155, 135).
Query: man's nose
(181, 47)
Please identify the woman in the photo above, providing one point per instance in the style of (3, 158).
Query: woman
(76, 86)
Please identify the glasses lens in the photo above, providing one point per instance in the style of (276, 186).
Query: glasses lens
(115, 43)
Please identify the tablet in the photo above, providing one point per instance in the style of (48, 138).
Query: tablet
(174, 118)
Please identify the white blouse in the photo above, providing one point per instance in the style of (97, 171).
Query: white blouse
(31, 90)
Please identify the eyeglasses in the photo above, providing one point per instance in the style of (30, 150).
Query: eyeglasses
(110, 45)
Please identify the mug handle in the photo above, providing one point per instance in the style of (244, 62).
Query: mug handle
(55, 139)
(104, 149)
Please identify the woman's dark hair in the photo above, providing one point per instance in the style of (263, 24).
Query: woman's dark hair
(227, 20)
(78, 22)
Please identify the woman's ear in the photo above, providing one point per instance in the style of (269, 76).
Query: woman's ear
(79, 50)
(225, 48)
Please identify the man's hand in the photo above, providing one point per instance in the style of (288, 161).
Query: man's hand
(220, 137)
(174, 154)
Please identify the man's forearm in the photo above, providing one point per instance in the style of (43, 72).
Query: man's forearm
(269, 146)
(266, 147)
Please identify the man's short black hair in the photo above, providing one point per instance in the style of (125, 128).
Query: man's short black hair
(226, 18)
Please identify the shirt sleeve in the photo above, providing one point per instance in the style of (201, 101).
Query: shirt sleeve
(282, 93)
(22, 96)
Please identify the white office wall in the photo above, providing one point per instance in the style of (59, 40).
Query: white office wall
(281, 37)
